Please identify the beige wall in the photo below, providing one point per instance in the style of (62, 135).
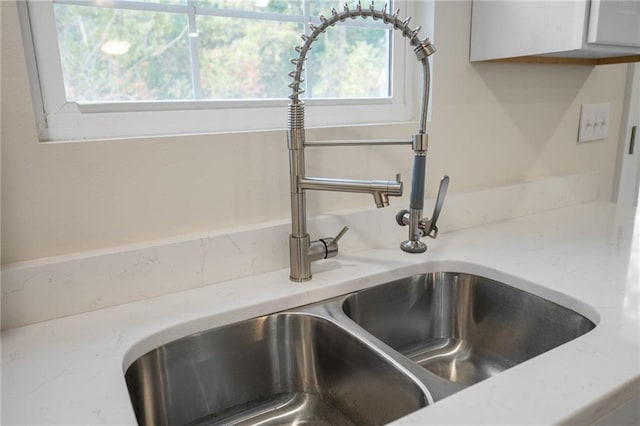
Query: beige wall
(492, 124)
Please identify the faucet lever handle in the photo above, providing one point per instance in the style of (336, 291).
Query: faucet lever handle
(341, 234)
(432, 230)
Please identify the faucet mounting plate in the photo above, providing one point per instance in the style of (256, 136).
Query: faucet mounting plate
(413, 246)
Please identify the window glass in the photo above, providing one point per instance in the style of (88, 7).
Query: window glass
(127, 68)
(323, 7)
(123, 55)
(350, 63)
(245, 59)
(175, 2)
(293, 7)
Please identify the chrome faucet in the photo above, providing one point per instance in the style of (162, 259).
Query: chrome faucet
(301, 249)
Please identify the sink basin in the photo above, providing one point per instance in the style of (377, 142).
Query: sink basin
(284, 368)
(369, 357)
(462, 327)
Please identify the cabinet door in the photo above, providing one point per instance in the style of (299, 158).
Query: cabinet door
(613, 22)
(508, 28)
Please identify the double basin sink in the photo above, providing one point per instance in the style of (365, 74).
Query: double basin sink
(365, 358)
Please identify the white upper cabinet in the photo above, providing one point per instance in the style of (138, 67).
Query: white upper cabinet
(615, 23)
(588, 31)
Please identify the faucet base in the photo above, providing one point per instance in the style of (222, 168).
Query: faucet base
(299, 280)
(413, 246)
(300, 264)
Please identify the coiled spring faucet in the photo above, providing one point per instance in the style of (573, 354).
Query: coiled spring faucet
(302, 250)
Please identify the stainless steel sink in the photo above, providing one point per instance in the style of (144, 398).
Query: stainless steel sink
(462, 327)
(285, 368)
(368, 357)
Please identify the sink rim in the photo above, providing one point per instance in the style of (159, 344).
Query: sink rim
(220, 317)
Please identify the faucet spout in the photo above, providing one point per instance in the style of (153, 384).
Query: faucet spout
(381, 199)
(380, 189)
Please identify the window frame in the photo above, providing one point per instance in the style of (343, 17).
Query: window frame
(58, 119)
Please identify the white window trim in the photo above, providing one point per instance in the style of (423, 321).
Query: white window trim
(60, 120)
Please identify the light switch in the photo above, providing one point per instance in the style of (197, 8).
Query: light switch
(594, 122)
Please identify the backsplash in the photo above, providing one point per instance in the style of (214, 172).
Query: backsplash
(56, 287)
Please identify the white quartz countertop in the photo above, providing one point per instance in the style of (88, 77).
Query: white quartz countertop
(586, 257)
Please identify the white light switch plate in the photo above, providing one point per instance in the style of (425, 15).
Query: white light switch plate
(594, 122)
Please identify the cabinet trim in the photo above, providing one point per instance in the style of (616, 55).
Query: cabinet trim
(567, 61)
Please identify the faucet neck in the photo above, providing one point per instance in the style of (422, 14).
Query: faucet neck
(422, 48)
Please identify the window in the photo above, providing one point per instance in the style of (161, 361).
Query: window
(124, 68)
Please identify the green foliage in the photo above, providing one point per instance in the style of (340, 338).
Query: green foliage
(155, 66)
(239, 58)
(251, 61)
(350, 62)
